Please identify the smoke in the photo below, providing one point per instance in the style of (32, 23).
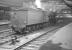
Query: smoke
(49, 5)
(38, 3)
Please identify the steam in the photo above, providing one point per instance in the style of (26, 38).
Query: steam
(38, 3)
(48, 6)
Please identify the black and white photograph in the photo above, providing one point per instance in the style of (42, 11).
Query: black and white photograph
(35, 24)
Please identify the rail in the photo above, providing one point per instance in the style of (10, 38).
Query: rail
(6, 30)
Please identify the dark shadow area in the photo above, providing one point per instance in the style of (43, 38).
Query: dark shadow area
(50, 46)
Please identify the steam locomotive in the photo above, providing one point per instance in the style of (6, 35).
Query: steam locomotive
(29, 20)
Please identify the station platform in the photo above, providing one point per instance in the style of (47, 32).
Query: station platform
(61, 40)
(4, 22)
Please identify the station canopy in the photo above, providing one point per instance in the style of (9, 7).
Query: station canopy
(43, 4)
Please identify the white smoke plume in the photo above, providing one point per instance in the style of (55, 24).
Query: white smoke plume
(38, 3)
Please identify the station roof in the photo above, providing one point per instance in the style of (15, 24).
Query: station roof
(19, 3)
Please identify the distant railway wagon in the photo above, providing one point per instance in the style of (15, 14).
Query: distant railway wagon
(28, 20)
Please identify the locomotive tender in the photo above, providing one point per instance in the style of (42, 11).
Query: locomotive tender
(28, 20)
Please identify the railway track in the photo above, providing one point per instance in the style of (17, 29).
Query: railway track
(7, 32)
(8, 36)
(36, 43)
